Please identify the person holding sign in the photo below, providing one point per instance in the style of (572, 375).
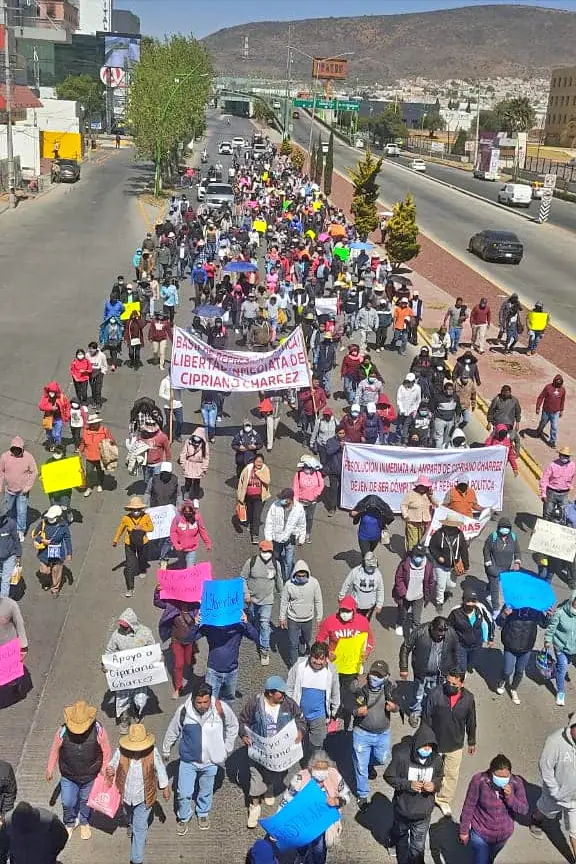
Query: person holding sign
(206, 730)
(12, 629)
(223, 652)
(323, 771)
(129, 633)
(501, 553)
(267, 714)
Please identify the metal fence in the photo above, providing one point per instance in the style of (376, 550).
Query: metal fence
(4, 174)
(563, 170)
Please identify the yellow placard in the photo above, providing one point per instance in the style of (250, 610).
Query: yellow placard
(62, 474)
(260, 225)
(348, 654)
(128, 309)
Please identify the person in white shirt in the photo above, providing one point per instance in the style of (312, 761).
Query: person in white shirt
(285, 526)
(408, 398)
(206, 729)
(177, 409)
(99, 365)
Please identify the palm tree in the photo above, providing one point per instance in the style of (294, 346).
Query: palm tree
(516, 115)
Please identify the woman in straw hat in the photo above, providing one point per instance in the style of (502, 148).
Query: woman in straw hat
(81, 749)
(135, 526)
(137, 769)
(53, 545)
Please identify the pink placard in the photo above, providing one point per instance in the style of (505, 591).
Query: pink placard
(11, 666)
(184, 584)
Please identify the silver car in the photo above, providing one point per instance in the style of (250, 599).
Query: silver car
(219, 195)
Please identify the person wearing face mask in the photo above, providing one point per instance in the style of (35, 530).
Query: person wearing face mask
(186, 531)
(111, 335)
(408, 398)
(99, 365)
(194, 460)
(308, 485)
(129, 633)
(80, 370)
(465, 390)
(434, 650)
(369, 390)
(519, 634)
(558, 783)
(414, 586)
(450, 711)
(501, 437)
(10, 549)
(449, 552)
(561, 636)
(267, 713)
(366, 585)
(55, 408)
(332, 468)
(421, 426)
(253, 492)
(373, 516)
(300, 604)
(205, 729)
(285, 526)
(246, 444)
(93, 434)
(480, 321)
(18, 473)
(501, 553)
(78, 419)
(473, 625)
(440, 344)
(324, 429)
(461, 498)
(53, 545)
(262, 579)
(113, 308)
(325, 361)
(416, 510)
(556, 481)
(459, 441)
(415, 773)
(62, 497)
(447, 414)
(135, 526)
(373, 703)
(349, 370)
(314, 686)
(323, 771)
(551, 402)
(352, 423)
(494, 800)
(311, 400)
(505, 409)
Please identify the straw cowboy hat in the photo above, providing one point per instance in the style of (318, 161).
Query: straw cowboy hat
(79, 717)
(135, 503)
(451, 522)
(137, 739)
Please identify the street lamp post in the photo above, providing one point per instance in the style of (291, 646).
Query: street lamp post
(173, 93)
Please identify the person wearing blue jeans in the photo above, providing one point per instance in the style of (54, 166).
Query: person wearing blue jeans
(10, 550)
(552, 418)
(209, 411)
(223, 684)
(454, 320)
(373, 704)
(284, 554)
(260, 616)
(223, 650)
(206, 730)
(20, 501)
(262, 580)
(133, 766)
(54, 435)
(561, 635)
(75, 802)
(150, 472)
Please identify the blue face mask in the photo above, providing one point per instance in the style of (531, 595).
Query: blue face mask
(504, 531)
(371, 380)
(417, 560)
(299, 580)
(500, 782)
(375, 682)
(424, 752)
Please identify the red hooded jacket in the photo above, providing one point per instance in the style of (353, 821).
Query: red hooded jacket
(332, 628)
(504, 442)
(80, 370)
(51, 406)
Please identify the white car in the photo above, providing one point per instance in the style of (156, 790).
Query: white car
(418, 165)
(225, 148)
(238, 142)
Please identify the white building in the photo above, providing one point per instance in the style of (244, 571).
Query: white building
(95, 16)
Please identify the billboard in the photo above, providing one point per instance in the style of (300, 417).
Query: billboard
(328, 68)
(121, 50)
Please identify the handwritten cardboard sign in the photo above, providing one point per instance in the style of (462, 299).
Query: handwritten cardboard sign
(557, 541)
(162, 520)
(222, 602)
(11, 667)
(135, 667)
(277, 753)
(184, 584)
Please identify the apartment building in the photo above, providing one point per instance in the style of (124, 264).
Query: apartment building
(561, 103)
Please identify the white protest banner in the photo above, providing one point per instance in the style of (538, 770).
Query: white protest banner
(277, 753)
(326, 305)
(471, 528)
(390, 472)
(557, 541)
(162, 520)
(136, 667)
(197, 366)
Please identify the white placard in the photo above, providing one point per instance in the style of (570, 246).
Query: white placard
(390, 472)
(135, 667)
(277, 753)
(557, 541)
(197, 366)
(326, 305)
(162, 520)
(471, 528)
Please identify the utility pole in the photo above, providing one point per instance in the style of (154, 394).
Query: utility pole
(288, 93)
(8, 92)
(476, 141)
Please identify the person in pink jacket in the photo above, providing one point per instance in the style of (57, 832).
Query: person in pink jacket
(18, 473)
(194, 460)
(556, 481)
(187, 530)
(308, 486)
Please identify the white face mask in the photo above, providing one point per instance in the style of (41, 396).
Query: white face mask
(266, 556)
(320, 775)
(346, 616)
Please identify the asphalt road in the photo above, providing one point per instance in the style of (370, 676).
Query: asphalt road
(53, 299)
(450, 218)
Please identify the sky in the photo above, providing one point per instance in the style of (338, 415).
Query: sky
(202, 17)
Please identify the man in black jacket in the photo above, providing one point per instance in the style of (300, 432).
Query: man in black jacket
(434, 649)
(8, 789)
(332, 469)
(473, 625)
(32, 834)
(450, 711)
(415, 774)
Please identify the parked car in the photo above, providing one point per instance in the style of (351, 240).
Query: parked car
(391, 150)
(481, 174)
(238, 142)
(225, 148)
(69, 170)
(496, 246)
(418, 165)
(219, 195)
(515, 195)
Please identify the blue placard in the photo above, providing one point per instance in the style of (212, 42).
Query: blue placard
(525, 590)
(303, 819)
(222, 602)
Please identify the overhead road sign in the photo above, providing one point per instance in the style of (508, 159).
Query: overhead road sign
(328, 104)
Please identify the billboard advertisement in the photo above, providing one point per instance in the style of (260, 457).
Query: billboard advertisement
(121, 51)
(329, 69)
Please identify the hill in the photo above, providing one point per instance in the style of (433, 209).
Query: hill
(470, 42)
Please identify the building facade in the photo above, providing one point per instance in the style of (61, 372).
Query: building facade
(124, 21)
(61, 13)
(561, 104)
(95, 16)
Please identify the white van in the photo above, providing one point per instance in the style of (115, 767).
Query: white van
(515, 195)
(391, 150)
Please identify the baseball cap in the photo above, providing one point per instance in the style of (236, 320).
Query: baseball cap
(265, 546)
(379, 667)
(275, 682)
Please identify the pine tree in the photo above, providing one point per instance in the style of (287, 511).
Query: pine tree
(365, 196)
(286, 147)
(319, 164)
(329, 166)
(298, 157)
(459, 147)
(402, 234)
